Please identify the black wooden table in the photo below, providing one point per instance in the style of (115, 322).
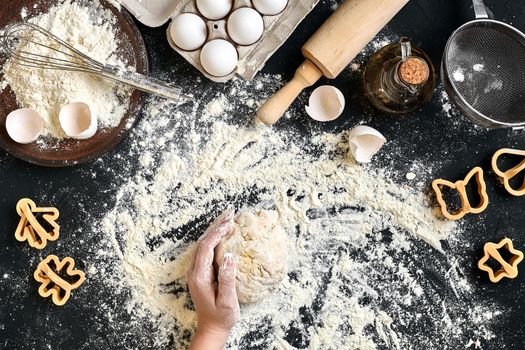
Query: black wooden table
(28, 322)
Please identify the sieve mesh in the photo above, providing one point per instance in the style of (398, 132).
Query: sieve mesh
(485, 63)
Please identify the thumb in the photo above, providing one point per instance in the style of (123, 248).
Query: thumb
(227, 294)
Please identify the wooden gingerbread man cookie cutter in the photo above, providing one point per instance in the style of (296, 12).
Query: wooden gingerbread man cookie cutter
(460, 186)
(510, 173)
(30, 230)
(508, 269)
(60, 289)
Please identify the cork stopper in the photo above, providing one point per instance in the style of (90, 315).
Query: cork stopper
(414, 71)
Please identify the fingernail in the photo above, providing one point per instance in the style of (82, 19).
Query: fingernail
(227, 261)
(229, 212)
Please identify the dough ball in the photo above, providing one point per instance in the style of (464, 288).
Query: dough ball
(259, 246)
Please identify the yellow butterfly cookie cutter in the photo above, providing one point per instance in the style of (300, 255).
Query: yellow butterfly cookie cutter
(30, 230)
(508, 269)
(52, 282)
(460, 186)
(510, 173)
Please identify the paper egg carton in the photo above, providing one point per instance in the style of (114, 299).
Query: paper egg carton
(278, 28)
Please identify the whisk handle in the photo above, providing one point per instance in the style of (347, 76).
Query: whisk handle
(143, 83)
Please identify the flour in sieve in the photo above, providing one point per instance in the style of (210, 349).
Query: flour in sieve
(91, 29)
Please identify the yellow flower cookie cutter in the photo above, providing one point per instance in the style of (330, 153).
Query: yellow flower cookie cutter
(510, 173)
(52, 283)
(30, 230)
(508, 269)
(460, 186)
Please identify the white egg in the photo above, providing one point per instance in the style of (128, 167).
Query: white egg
(219, 57)
(326, 103)
(24, 125)
(270, 7)
(245, 26)
(77, 121)
(214, 9)
(188, 31)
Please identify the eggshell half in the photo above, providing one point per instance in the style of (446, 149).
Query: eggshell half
(24, 125)
(326, 103)
(365, 142)
(77, 121)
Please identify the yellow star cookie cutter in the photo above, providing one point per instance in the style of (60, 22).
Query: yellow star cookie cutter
(30, 230)
(52, 282)
(508, 269)
(510, 173)
(460, 186)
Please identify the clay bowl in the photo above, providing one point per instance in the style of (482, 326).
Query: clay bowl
(55, 153)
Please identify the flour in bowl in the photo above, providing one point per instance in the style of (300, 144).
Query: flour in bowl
(91, 29)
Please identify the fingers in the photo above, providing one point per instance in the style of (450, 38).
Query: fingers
(203, 263)
(226, 218)
(227, 295)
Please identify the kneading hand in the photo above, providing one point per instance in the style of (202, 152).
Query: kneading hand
(215, 303)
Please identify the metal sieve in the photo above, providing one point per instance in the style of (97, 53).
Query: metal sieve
(483, 71)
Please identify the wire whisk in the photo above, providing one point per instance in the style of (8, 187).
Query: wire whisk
(62, 56)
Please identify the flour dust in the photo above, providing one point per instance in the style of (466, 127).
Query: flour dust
(367, 264)
(90, 28)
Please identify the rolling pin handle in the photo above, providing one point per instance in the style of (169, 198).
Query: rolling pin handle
(275, 107)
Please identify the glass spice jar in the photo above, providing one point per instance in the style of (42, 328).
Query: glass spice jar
(399, 78)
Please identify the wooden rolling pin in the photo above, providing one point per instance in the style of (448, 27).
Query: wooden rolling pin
(350, 28)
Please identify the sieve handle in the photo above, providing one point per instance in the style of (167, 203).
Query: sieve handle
(479, 9)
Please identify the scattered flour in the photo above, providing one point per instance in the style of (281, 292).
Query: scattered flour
(355, 67)
(410, 176)
(384, 38)
(448, 108)
(217, 107)
(355, 279)
(23, 13)
(454, 114)
(89, 28)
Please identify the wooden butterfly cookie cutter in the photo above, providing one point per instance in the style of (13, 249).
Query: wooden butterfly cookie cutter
(510, 173)
(52, 283)
(508, 269)
(460, 186)
(30, 230)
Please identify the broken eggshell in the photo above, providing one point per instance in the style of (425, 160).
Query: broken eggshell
(365, 142)
(77, 121)
(24, 125)
(326, 103)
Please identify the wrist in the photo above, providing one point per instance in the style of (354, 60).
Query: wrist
(208, 338)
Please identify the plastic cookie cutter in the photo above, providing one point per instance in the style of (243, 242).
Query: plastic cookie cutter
(32, 231)
(508, 269)
(51, 272)
(460, 186)
(510, 173)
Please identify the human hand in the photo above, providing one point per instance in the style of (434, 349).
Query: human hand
(216, 304)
